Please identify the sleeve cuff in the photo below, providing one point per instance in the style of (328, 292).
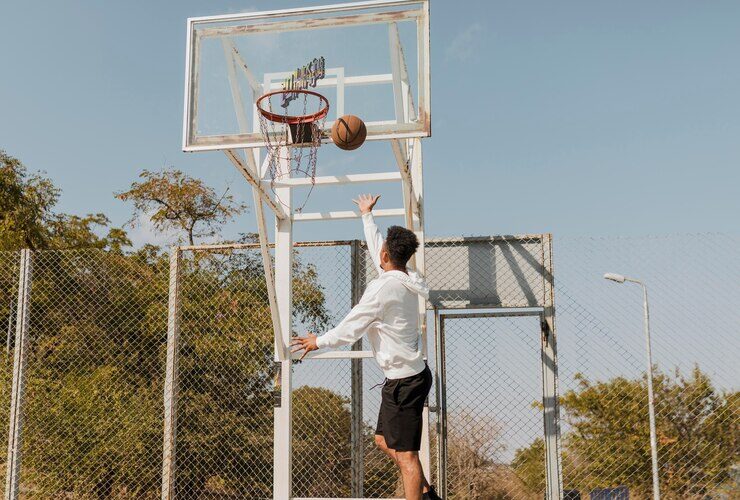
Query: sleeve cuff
(321, 342)
(368, 218)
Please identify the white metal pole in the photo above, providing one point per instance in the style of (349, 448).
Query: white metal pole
(17, 391)
(171, 371)
(283, 424)
(651, 400)
(619, 278)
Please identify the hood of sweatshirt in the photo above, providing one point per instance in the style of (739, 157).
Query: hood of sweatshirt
(413, 281)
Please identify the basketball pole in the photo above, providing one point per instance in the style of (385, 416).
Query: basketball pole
(283, 427)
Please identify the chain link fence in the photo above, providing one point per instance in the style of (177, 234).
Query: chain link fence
(95, 368)
(493, 397)
(496, 449)
(90, 368)
(494, 405)
(693, 287)
(225, 380)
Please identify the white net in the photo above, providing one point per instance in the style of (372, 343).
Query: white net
(292, 124)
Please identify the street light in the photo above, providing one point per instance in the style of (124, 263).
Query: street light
(618, 278)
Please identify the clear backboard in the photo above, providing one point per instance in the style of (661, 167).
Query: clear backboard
(375, 65)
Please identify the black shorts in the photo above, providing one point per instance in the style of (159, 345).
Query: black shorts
(401, 408)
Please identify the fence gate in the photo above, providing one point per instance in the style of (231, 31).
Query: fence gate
(497, 382)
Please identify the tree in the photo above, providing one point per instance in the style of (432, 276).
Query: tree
(73, 231)
(529, 464)
(28, 219)
(173, 200)
(608, 441)
(227, 372)
(26, 203)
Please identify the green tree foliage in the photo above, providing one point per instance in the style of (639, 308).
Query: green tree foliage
(529, 464)
(320, 416)
(9, 262)
(28, 219)
(26, 203)
(72, 231)
(608, 444)
(6, 366)
(173, 200)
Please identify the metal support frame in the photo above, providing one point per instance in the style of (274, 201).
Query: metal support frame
(336, 180)
(549, 352)
(356, 435)
(440, 381)
(553, 488)
(410, 176)
(408, 157)
(20, 354)
(252, 173)
(171, 372)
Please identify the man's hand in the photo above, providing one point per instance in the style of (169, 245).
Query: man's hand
(366, 202)
(306, 344)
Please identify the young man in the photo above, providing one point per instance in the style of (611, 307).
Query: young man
(388, 313)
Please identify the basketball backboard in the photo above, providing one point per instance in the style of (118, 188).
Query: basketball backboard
(375, 65)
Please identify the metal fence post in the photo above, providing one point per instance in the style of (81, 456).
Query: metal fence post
(12, 479)
(441, 381)
(551, 408)
(356, 444)
(170, 385)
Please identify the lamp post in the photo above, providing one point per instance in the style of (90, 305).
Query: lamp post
(618, 278)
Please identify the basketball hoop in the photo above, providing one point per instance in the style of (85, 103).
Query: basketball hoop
(292, 122)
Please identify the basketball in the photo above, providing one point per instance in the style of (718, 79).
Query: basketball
(348, 132)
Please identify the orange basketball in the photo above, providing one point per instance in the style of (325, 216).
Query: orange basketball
(348, 132)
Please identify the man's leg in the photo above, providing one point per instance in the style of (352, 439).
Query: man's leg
(380, 442)
(412, 473)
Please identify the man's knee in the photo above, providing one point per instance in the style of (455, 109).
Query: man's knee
(408, 459)
(380, 442)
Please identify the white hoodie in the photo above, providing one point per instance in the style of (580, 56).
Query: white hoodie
(388, 313)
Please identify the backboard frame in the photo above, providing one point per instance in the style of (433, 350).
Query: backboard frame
(419, 126)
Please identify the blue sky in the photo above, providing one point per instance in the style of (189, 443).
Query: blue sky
(578, 118)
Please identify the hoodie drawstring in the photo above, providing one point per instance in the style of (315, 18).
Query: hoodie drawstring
(378, 385)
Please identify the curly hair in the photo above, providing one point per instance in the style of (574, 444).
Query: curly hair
(400, 243)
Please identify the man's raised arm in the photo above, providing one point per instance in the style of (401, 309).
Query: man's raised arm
(374, 239)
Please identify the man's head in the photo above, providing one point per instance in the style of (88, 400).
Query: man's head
(400, 244)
